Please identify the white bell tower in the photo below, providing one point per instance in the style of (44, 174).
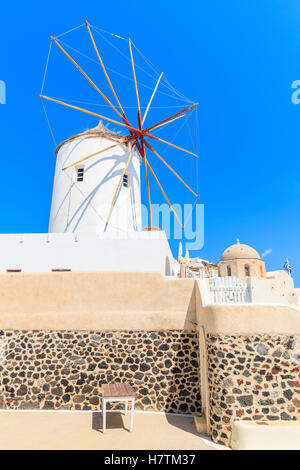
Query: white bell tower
(83, 194)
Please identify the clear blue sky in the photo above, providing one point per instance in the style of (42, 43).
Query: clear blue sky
(237, 58)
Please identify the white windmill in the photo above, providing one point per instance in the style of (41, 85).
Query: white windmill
(97, 178)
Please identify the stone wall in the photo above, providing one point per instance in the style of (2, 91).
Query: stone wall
(65, 369)
(252, 378)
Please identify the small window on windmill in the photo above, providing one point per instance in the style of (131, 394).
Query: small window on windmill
(79, 174)
(126, 180)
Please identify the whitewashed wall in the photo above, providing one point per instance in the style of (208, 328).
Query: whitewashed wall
(139, 251)
(84, 206)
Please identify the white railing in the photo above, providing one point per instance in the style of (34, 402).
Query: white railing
(228, 290)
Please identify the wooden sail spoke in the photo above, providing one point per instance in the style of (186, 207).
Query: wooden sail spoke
(151, 99)
(135, 84)
(170, 168)
(119, 184)
(87, 77)
(148, 185)
(169, 143)
(92, 155)
(104, 69)
(86, 111)
(172, 117)
(165, 196)
(168, 122)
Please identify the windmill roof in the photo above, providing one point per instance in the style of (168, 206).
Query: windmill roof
(100, 131)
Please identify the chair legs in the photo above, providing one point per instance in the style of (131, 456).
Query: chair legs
(131, 415)
(126, 411)
(104, 415)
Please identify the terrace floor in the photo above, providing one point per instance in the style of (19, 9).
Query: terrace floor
(64, 430)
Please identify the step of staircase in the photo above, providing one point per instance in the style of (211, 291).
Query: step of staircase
(200, 423)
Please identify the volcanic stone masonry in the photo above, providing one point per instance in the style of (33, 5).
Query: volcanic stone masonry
(252, 378)
(65, 369)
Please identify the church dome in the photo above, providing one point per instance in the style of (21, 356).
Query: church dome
(239, 251)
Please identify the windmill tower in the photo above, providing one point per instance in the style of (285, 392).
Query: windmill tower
(93, 163)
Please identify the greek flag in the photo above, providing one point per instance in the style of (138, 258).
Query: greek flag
(287, 267)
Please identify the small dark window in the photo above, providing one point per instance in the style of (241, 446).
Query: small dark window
(79, 174)
(247, 270)
(126, 180)
(14, 270)
(228, 271)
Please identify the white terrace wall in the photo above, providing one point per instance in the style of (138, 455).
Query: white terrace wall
(260, 292)
(252, 370)
(82, 252)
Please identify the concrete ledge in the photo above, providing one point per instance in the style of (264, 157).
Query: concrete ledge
(95, 301)
(250, 319)
(281, 435)
(98, 321)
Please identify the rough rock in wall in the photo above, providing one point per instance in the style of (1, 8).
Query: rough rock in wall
(252, 378)
(65, 369)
